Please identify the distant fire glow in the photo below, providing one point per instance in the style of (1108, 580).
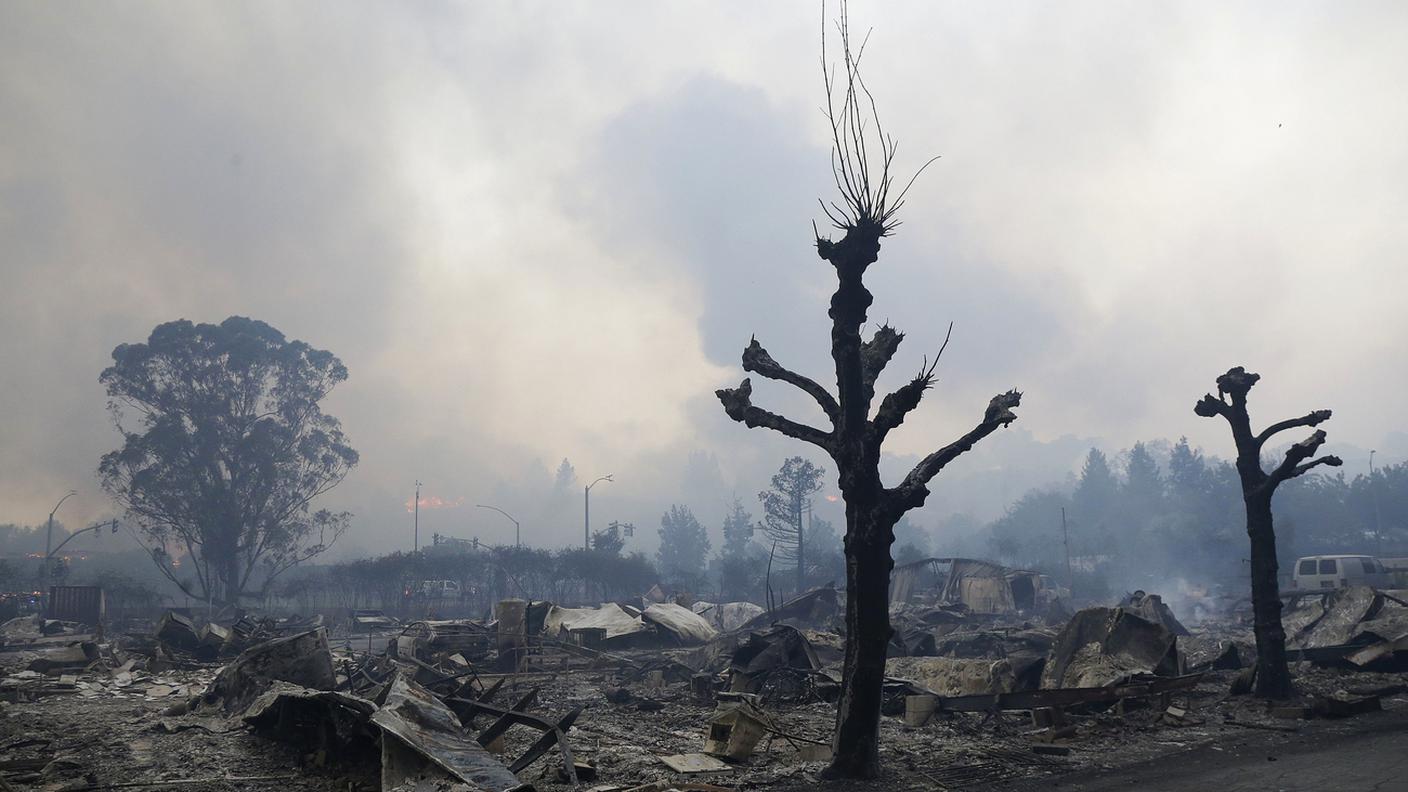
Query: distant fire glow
(433, 502)
(832, 498)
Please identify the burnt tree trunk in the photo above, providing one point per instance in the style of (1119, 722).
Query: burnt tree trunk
(868, 630)
(1273, 675)
(854, 443)
(855, 747)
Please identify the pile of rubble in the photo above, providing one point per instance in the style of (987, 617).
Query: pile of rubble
(663, 696)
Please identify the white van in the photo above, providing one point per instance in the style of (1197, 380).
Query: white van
(1339, 571)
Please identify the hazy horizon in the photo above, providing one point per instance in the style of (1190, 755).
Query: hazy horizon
(538, 231)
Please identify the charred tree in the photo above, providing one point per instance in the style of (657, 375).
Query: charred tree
(854, 439)
(1273, 677)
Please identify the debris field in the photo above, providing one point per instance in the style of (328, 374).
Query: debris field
(659, 696)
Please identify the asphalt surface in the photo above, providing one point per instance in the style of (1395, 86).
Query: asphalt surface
(1368, 752)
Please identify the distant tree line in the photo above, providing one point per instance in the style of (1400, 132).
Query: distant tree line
(1182, 517)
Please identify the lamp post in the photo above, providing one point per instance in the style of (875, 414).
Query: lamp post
(517, 538)
(587, 511)
(94, 527)
(48, 548)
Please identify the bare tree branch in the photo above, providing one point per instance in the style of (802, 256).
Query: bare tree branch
(739, 406)
(910, 494)
(1210, 406)
(757, 360)
(875, 354)
(850, 110)
(1329, 459)
(899, 404)
(1313, 419)
(1291, 466)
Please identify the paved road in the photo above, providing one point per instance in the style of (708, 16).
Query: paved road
(1363, 754)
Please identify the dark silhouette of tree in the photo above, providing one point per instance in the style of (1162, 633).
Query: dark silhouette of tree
(862, 156)
(229, 451)
(1143, 484)
(1096, 491)
(565, 480)
(610, 540)
(684, 546)
(1273, 677)
(738, 530)
(784, 512)
(1187, 473)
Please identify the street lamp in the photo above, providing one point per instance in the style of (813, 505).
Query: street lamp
(94, 527)
(587, 511)
(49, 544)
(517, 539)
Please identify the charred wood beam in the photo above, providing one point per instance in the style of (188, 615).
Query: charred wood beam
(557, 735)
(738, 404)
(757, 360)
(910, 494)
(507, 718)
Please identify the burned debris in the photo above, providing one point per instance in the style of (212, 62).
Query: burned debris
(650, 695)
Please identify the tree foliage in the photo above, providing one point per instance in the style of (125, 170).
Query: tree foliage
(225, 448)
(785, 510)
(684, 546)
(737, 530)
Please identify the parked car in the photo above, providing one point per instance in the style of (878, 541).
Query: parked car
(1340, 571)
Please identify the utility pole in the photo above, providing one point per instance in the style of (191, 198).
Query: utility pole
(587, 511)
(1374, 496)
(417, 539)
(1066, 540)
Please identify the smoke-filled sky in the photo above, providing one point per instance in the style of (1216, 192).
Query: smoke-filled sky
(535, 231)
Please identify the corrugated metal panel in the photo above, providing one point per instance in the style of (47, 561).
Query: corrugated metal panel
(85, 604)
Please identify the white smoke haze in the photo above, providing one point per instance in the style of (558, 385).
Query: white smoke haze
(540, 231)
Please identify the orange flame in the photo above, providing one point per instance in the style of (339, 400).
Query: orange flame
(433, 502)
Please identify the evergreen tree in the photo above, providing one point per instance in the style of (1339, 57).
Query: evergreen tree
(784, 508)
(684, 546)
(1187, 475)
(1143, 486)
(738, 530)
(1095, 494)
(566, 479)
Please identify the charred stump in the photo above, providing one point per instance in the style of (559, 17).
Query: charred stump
(1273, 676)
